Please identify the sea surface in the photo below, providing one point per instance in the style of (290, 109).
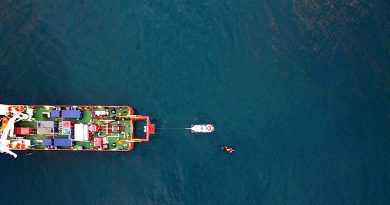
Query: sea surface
(300, 88)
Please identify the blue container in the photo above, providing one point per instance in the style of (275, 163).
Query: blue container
(54, 113)
(47, 142)
(62, 142)
(71, 113)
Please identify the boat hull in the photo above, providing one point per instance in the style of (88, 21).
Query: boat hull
(202, 128)
(73, 127)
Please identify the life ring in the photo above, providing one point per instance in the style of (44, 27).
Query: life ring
(17, 108)
(18, 146)
(209, 128)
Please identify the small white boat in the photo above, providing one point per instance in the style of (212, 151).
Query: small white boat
(202, 128)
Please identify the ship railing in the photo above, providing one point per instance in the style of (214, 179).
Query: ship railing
(149, 128)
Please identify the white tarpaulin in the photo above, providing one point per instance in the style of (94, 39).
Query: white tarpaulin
(3, 109)
(80, 132)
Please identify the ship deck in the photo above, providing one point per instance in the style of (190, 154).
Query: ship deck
(106, 128)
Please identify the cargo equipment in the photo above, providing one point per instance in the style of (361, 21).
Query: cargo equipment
(68, 127)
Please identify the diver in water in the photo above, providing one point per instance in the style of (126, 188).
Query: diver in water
(228, 149)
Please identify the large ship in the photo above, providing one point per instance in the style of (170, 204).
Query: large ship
(67, 127)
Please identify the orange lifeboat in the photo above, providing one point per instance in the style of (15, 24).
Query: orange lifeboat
(4, 123)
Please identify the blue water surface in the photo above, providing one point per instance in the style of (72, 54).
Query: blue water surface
(300, 88)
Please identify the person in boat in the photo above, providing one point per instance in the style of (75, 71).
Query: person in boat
(227, 149)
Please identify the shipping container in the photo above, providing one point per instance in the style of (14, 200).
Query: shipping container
(70, 113)
(62, 142)
(55, 113)
(47, 142)
(24, 130)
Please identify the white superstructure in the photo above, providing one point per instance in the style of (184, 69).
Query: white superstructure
(81, 132)
(202, 128)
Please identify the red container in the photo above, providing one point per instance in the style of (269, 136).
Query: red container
(23, 130)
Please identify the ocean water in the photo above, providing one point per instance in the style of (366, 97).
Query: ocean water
(300, 88)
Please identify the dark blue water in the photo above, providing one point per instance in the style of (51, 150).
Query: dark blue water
(300, 88)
